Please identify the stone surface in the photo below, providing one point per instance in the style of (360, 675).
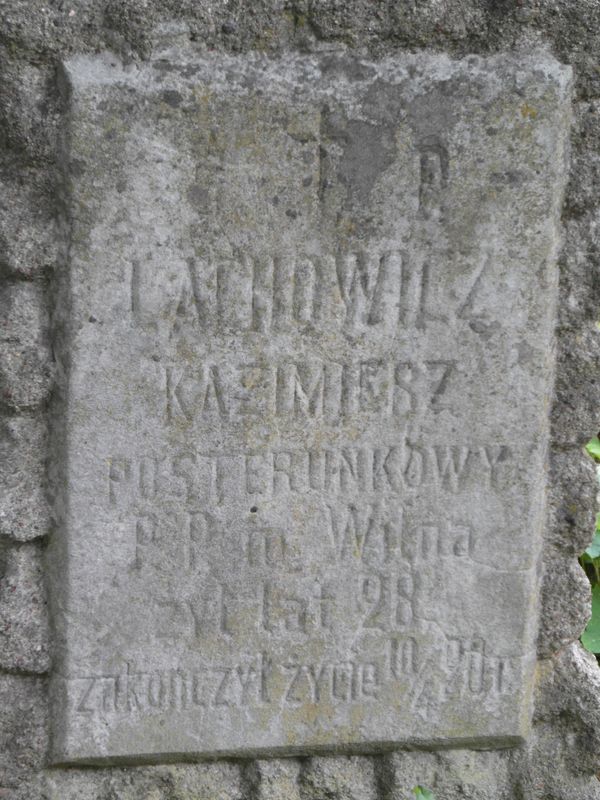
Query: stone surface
(573, 473)
(25, 359)
(350, 778)
(451, 775)
(307, 320)
(27, 123)
(214, 781)
(37, 33)
(565, 601)
(272, 779)
(27, 233)
(24, 513)
(563, 749)
(23, 737)
(23, 612)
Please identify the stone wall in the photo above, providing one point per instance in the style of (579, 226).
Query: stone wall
(561, 757)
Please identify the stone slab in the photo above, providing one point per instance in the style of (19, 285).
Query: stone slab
(306, 340)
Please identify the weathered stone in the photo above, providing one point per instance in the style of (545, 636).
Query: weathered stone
(307, 344)
(583, 197)
(27, 122)
(272, 779)
(23, 740)
(23, 613)
(562, 754)
(27, 232)
(573, 475)
(451, 775)
(41, 32)
(577, 387)
(24, 513)
(570, 688)
(338, 778)
(28, 789)
(565, 603)
(216, 781)
(25, 359)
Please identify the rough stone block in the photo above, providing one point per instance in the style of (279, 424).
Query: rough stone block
(350, 778)
(451, 775)
(25, 358)
(565, 603)
(273, 779)
(24, 513)
(214, 781)
(27, 229)
(307, 320)
(575, 417)
(23, 612)
(561, 760)
(28, 117)
(571, 500)
(23, 739)
(582, 196)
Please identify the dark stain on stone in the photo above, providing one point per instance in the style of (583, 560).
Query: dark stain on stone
(368, 150)
(484, 328)
(77, 168)
(526, 353)
(348, 66)
(198, 196)
(171, 98)
(509, 178)
(163, 66)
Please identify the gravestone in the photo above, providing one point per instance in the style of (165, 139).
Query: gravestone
(307, 310)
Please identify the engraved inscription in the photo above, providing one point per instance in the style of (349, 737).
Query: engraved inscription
(363, 288)
(461, 668)
(316, 389)
(306, 381)
(394, 469)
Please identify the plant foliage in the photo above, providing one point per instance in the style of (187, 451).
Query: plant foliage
(591, 635)
(590, 561)
(421, 793)
(593, 448)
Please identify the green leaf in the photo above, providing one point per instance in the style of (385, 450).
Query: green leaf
(593, 551)
(421, 793)
(598, 522)
(590, 638)
(593, 448)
